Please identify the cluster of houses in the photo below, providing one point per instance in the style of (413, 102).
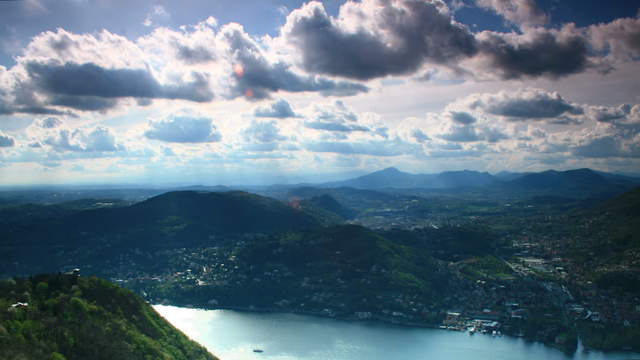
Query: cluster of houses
(484, 322)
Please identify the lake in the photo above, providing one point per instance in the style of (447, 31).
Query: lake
(233, 335)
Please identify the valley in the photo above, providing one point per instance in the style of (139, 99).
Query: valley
(530, 264)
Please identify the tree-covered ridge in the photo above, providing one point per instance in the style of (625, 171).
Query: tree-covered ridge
(69, 317)
(339, 271)
(172, 220)
(349, 252)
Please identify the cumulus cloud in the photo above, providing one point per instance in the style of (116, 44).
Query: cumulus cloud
(535, 53)
(194, 45)
(605, 147)
(457, 132)
(462, 117)
(92, 72)
(92, 81)
(6, 140)
(278, 109)
(611, 113)
(194, 55)
(334, 117)
(620, 38)
(55, 134)
(263, 132)
(49, 123)
(375, 38)
(183, 129)
(609, 139)
(256, 77)
(524, 13)
(520, 105)
(419, 135)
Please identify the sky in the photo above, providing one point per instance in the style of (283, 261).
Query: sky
(284, 91)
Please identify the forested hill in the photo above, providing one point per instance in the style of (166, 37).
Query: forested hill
(217, 212)
(56, 317)
(180, 219)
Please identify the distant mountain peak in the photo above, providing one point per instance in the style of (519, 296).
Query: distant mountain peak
(390, 170)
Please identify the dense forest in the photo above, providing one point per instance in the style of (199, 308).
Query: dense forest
(57, 317)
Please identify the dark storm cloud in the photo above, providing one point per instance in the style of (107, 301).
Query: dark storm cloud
(538, 54)
(183, 129)
(393, 38)
(257, 78)
(90, 80)
(278, 109)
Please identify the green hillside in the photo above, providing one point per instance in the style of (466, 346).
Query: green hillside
(181, 219)
(55, 317)
(326, 209)
(335, 270)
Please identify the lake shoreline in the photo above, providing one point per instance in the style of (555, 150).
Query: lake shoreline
(375, 320)
(234, 332)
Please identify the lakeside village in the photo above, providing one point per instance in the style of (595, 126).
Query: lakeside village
(538, 299)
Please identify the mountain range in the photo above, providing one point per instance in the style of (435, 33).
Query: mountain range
(580, 181)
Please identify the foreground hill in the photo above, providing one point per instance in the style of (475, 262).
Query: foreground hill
(67, 317)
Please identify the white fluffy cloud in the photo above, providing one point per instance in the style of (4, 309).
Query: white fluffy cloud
(523, 13)
(183, 129)
(373, 38)
(619, 38)
(278, 109)
(58, 136)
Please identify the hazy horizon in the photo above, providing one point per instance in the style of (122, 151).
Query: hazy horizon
(247, 182)
(287, 91)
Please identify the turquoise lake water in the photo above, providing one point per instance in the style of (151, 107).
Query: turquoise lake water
(233, 335)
